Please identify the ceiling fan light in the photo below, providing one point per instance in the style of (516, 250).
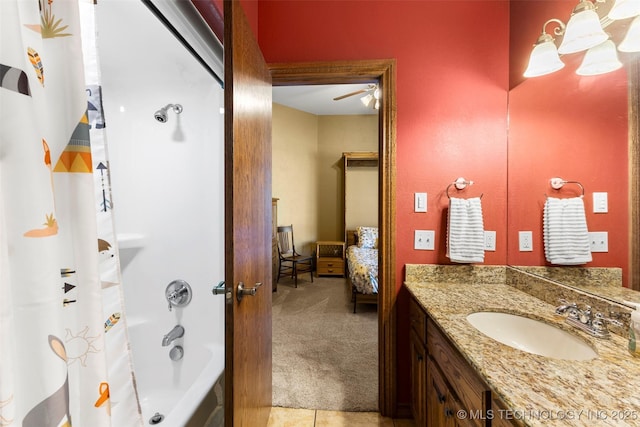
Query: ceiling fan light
(623, 9)
(377, 104)
(366, 100)
(599, 60)
(583, 30)
(631, 42)
(544, 59)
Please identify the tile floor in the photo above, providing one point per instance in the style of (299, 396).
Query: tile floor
(287, 417)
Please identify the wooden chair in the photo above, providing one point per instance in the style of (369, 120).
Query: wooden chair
(291, 262)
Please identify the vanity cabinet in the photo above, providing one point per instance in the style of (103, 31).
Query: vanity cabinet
(418, 321)
(442, 403)
(465, 397)
(446, 390)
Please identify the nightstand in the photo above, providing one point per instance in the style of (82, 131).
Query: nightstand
(330, 258)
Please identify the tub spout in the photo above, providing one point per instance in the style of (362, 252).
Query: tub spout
(174, 334)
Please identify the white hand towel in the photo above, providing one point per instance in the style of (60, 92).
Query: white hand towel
(465, 230)
(566, 237)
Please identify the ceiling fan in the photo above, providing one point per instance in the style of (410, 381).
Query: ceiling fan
(372, 97)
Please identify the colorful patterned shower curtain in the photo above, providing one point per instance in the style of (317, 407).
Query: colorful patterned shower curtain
(64, 358)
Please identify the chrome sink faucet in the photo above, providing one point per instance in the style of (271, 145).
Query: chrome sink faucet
(585, 319)
(174, 334)
(566, 306)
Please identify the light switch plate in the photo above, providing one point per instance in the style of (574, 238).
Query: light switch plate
(599, 241)
(420, 202)
(600, 202)
(424, 240)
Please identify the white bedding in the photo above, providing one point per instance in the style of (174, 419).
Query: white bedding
(362, 264)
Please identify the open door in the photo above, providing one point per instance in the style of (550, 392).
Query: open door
(247, 224)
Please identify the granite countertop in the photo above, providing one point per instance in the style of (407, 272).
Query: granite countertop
(538, 390)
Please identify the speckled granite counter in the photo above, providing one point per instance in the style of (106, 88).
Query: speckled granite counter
(539, 390)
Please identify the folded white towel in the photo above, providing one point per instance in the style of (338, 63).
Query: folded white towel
(565, 233)
(465, 230)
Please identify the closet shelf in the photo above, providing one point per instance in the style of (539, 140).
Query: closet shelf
(360, 159)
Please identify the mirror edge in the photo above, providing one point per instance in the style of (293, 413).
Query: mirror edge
(633, 77)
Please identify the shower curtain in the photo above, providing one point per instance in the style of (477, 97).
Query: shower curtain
(64, 358)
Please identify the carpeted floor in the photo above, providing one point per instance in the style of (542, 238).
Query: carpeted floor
(324, 355)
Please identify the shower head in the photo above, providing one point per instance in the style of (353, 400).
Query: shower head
(161, 114)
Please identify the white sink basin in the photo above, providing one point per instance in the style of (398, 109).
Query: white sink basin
(532, 336)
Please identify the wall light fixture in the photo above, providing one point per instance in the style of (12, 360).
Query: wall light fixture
(544, 57)
(584, 31)
(623, 9)
(631, 42)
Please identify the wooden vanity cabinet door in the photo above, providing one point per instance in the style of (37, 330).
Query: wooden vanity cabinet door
(444, 406)
(474, 396)
(418, 381)
(437, 394)
(418, 318)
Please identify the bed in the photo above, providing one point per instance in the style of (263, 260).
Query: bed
(362, 265)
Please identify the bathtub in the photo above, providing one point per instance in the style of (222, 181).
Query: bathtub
(172, 389)
(167, 228)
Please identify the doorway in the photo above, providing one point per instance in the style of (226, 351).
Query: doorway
(383, 71)
(325, 356)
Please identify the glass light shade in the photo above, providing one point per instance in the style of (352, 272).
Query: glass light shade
(544, 59)
(583, 32)
(599, 60)
(631, 42)
(366, 99)
(623, 9)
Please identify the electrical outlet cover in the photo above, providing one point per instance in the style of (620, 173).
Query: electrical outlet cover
(526, 241)
(489, 240)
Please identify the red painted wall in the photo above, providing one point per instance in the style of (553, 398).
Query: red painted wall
(452, 85)
(572, 127)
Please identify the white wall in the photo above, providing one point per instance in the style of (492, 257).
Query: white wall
(167, 179)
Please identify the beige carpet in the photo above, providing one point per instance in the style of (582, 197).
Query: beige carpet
(324, 355)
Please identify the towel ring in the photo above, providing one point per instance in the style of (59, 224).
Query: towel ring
(460, 184)
(558, 183)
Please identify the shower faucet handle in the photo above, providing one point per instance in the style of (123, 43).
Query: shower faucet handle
(178, 293)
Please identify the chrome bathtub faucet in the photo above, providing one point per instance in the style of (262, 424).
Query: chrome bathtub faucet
(174, 334)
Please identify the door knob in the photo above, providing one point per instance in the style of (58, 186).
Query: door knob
(242, 290)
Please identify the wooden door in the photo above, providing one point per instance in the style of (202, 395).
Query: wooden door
(247, 224)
